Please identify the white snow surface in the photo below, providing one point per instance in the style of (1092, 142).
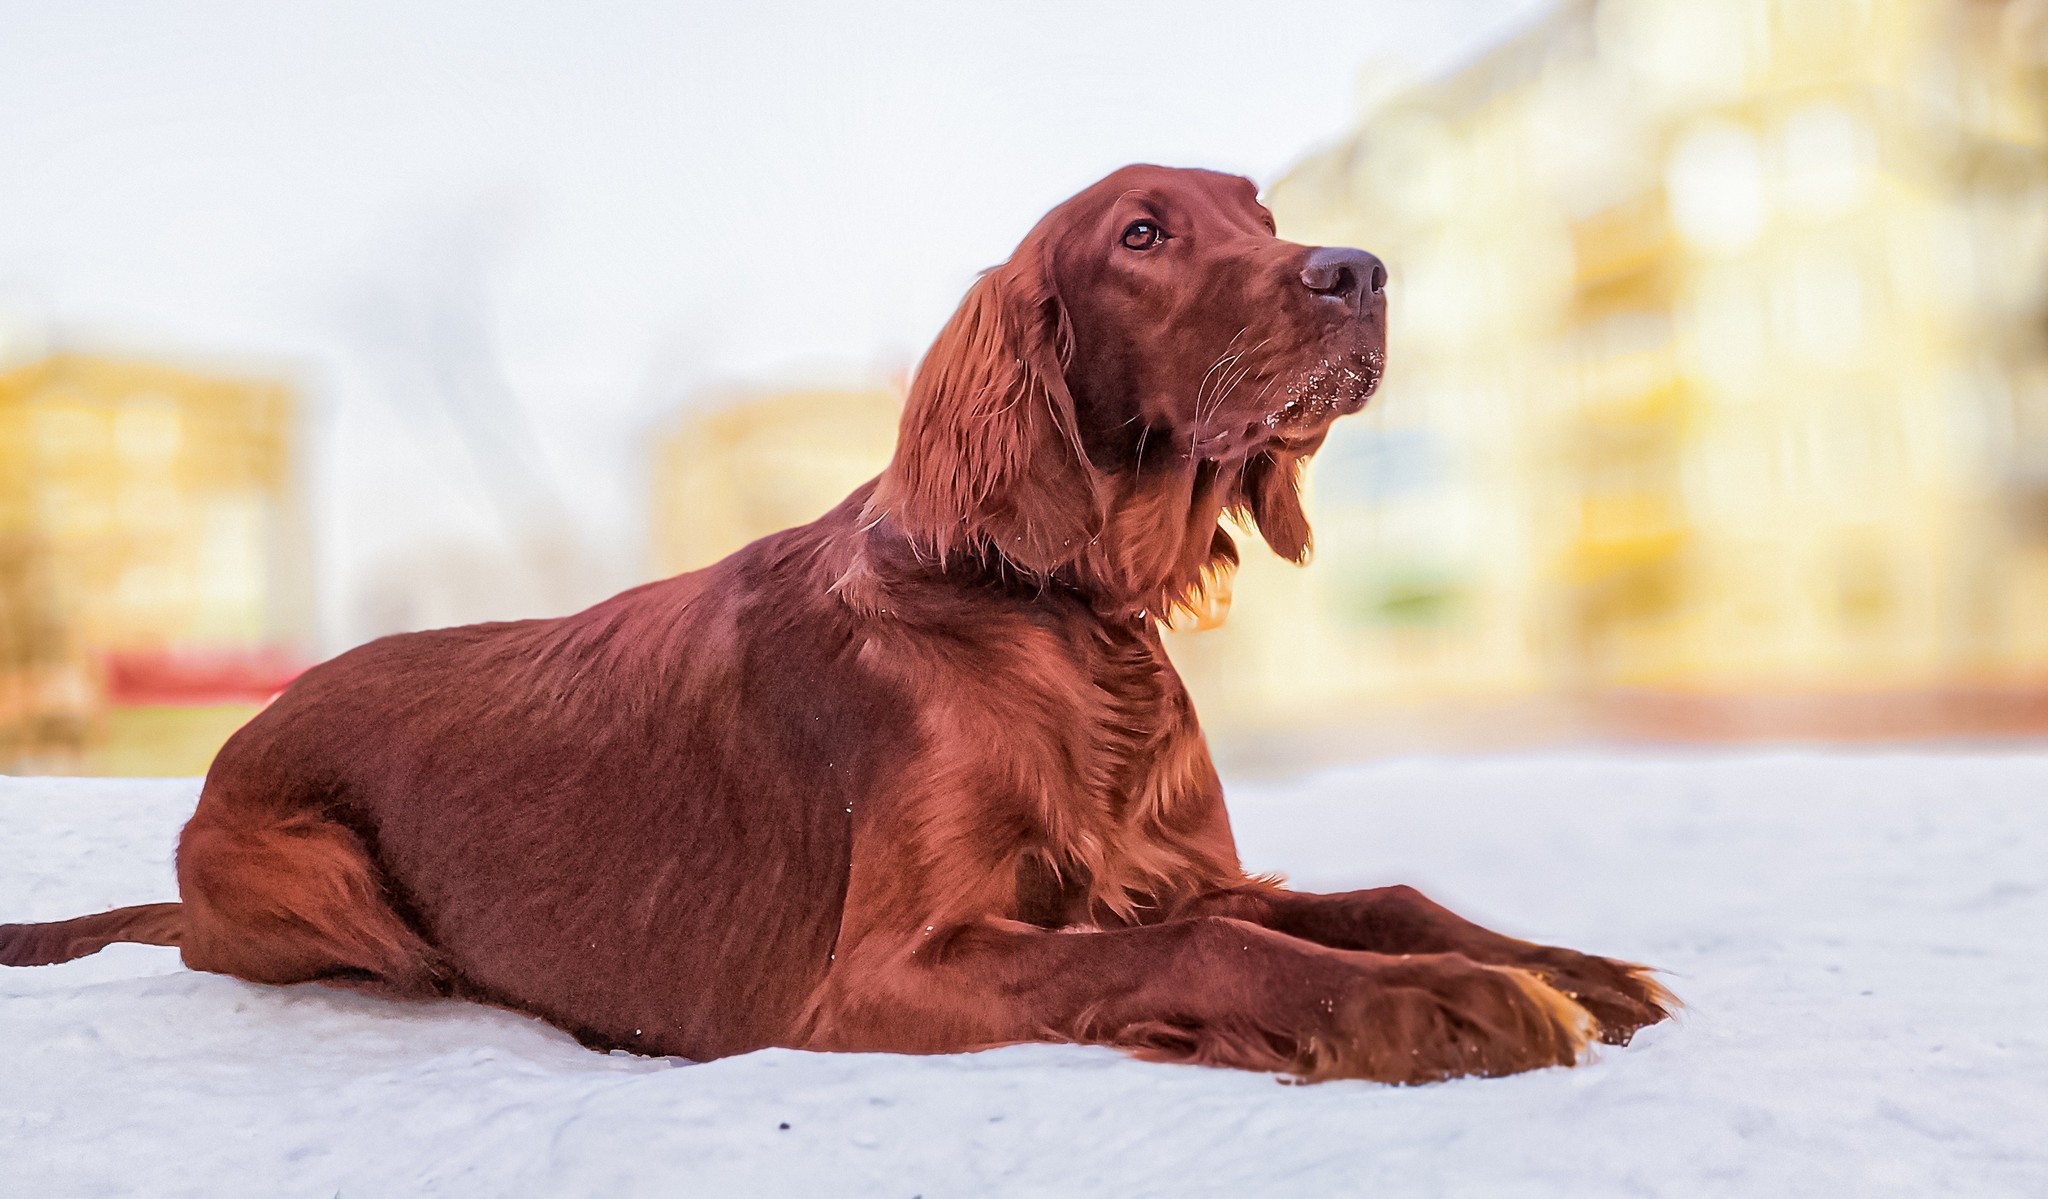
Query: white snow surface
(1859, 939)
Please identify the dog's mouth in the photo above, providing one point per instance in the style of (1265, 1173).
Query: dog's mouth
(1331, 388)
(1299, 407)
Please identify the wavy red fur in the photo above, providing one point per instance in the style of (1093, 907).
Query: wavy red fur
(917, 776)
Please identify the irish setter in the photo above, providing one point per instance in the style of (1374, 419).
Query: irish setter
(917, 776)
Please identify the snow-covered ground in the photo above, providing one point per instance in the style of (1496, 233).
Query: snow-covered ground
(1863, 941)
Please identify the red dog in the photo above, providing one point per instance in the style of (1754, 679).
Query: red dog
(915, 777)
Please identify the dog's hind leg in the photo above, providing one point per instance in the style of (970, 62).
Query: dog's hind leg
(288, 898)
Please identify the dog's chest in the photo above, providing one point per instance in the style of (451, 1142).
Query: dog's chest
(1141, 708)
(1104, 829)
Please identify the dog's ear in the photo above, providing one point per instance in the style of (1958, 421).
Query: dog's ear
(1272, 496)
(989, 454)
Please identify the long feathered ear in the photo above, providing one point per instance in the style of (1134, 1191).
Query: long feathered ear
(1272, 496)
(989, 453)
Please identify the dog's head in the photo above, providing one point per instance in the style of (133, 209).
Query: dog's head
(1153, 324)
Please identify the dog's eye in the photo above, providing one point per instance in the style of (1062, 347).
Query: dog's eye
(1143, 235)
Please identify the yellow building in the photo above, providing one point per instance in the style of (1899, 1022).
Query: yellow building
(152, 557)
(1719, 363)
(741, 466)
(1718, 369)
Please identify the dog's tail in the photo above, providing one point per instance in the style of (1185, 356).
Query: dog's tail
(63, 940)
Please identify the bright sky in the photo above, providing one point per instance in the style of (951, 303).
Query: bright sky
(546, 225)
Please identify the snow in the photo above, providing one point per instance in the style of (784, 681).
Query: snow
(1859, 938)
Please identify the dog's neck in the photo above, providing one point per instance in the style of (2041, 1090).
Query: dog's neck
(1161, 546)
(1159, 549)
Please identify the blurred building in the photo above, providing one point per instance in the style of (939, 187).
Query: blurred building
(741, 466)
(154, 574)
(1717, 405)
(1719, 367)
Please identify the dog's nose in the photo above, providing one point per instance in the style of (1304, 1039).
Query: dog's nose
(1349, 275)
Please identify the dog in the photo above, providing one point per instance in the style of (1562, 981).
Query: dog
(916, 777)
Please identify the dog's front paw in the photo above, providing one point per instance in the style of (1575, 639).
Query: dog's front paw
(1621, 996)
(1428, 1017)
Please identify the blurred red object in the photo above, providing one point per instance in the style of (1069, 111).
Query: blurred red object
(199, 677)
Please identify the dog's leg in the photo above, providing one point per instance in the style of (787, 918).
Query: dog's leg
(1401, 920)
(1207, 990)
(295, 899)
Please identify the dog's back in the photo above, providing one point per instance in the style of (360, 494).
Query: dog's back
(634, 821)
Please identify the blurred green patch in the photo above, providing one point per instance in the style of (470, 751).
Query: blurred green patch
(1412, 597)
